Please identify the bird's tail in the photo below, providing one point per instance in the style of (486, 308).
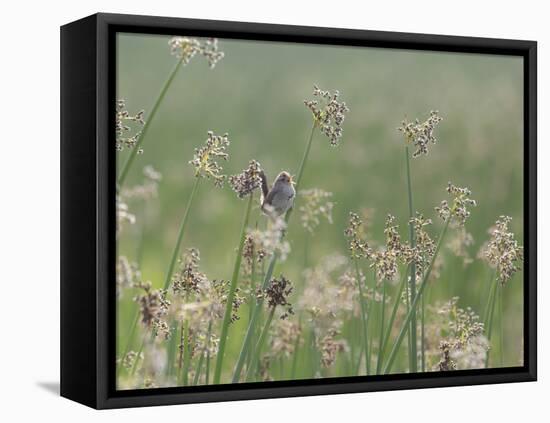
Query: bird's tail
(265, 187)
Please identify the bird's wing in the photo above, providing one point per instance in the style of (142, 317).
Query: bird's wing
(279, 197)
(271, 195)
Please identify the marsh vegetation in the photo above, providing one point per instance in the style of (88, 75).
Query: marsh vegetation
(401, 251)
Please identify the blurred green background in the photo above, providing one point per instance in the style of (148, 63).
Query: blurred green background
(256, 94)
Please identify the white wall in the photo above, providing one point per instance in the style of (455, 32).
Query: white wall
(29, 235)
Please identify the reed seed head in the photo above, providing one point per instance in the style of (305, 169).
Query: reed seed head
(146, 190)
(129, 359)
(446, 363)
(277, 294)
(123, 214)
(204, 159)
(385, 261)
(503, 251)
(285, 334)
(127, 275)
(270, 241)
(249, 180)
(346, 289)
(326, 296)
(161, 328)
(458, 211)
(460, 243)
(328, 113)
(253, 253)
(424, 248)
(152, 303)
(315, 204)
(123, 137)
(330, 347)
(185, 48)
(188, 279)
(421, 134)
(454, 336)
(358, 247)
(222, 292)
(473, 354)
(264, 367)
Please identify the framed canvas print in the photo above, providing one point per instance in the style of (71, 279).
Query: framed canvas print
(254, 211)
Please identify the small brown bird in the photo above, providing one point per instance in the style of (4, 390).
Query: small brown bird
(277, 200)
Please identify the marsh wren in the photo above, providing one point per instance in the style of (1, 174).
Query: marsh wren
(277, 200)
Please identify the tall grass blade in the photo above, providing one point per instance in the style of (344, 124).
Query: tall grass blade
(490, 319)
(203, 354)
(133, 152)
(181, 232)
(231, 294)
(259, 346)
(381, 338)
(364, 323)
(406, 323)
(129, 341)
(396, 303)
(412, 280)
(423, 334)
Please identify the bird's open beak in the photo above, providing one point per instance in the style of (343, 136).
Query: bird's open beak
(292, 181)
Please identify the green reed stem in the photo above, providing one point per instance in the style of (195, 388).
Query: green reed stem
(128, 342)
(490, 318)
(207, 371)
(142, 231)
(186, 353)
(198, 370)
(396, 303)
(133, 326)
(252, 324)
(371, 339)
(267, 277)
(304, 160)
(134, 367)
(203, 354)
(231, 294)
(253, 305)
(172, 346)
(500, 326)
(145, 129)
(250, 372)
(362, 302)
(404, 328)
(248, 357)
(352, 330)
(314, 352)
(358, 365)
(382, 319)
(183, 226)
(412, 282)
(180, 360)
(295, 357)
(422, 334)
(492, 288)
(407, 303)
(252, 287)
(179, 239)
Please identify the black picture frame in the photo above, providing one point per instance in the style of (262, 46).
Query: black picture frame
(88, 210)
